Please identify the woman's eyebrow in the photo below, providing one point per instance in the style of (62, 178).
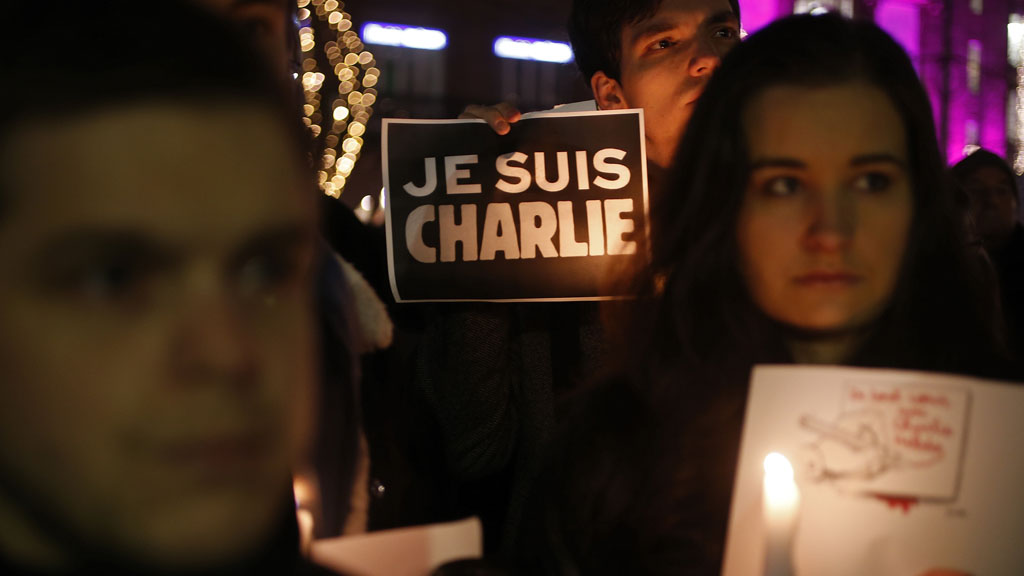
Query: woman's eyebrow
(777, 162)
(876, 158)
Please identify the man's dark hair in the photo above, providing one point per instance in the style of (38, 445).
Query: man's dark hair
(595, 30)
(53, 66)
(964, 169)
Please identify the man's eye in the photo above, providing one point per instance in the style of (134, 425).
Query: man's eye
(727, 33)
(662, 44)
(109, 281)
(782, 186)
(268, 273)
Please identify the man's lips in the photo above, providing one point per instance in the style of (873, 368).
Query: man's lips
(828, 278)
(219, 453)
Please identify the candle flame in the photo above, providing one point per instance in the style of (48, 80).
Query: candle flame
(778, 468)
(780, 490)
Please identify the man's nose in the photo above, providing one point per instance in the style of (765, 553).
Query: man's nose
(211, 342)
(707, 59)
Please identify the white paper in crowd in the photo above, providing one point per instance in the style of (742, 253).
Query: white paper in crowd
(414, 551)
(554, 210)
(899, 472)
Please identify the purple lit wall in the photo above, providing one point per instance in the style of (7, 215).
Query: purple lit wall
(943, 46)
(755, 14)
(902, 20)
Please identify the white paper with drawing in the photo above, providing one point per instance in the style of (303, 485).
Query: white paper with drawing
(898, 472)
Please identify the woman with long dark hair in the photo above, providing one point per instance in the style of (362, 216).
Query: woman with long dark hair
(807, 220)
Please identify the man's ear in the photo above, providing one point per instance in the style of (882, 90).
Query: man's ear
(607, 92)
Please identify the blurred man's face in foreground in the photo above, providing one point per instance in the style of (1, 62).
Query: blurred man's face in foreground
(157, 348)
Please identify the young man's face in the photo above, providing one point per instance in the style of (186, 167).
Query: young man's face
(157, 341)
(666, 61)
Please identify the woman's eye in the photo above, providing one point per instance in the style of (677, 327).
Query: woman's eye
(782, 186)
(872, 182)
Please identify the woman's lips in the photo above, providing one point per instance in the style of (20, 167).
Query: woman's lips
(827, 278)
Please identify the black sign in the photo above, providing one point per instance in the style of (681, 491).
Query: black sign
(551, 211)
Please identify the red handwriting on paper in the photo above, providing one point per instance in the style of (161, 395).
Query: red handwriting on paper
(886, 396)
(899, 503)
(919, 429)
(930, 399)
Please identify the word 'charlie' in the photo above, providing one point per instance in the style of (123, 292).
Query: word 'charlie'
(538, 222)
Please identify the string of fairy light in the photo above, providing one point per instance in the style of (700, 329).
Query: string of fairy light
(337, 106)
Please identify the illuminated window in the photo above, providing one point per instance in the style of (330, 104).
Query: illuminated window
(1015, 119)
(404, 36)
(532, 49)
(973, 66)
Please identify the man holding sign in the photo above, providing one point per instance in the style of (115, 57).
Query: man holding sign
(491, 371)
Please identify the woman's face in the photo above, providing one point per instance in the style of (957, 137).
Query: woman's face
(828, 206)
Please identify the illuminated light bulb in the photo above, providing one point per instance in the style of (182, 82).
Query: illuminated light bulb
(345, 164)
(781, 509)
(383, 199)
(370, 81)
(341, 53)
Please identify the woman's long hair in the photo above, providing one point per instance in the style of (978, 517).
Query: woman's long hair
(704, 320)
(646, 464)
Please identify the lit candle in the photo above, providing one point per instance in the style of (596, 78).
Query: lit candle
(303, 516)
(781, 509)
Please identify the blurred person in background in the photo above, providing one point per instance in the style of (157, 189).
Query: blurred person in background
(994, 203)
